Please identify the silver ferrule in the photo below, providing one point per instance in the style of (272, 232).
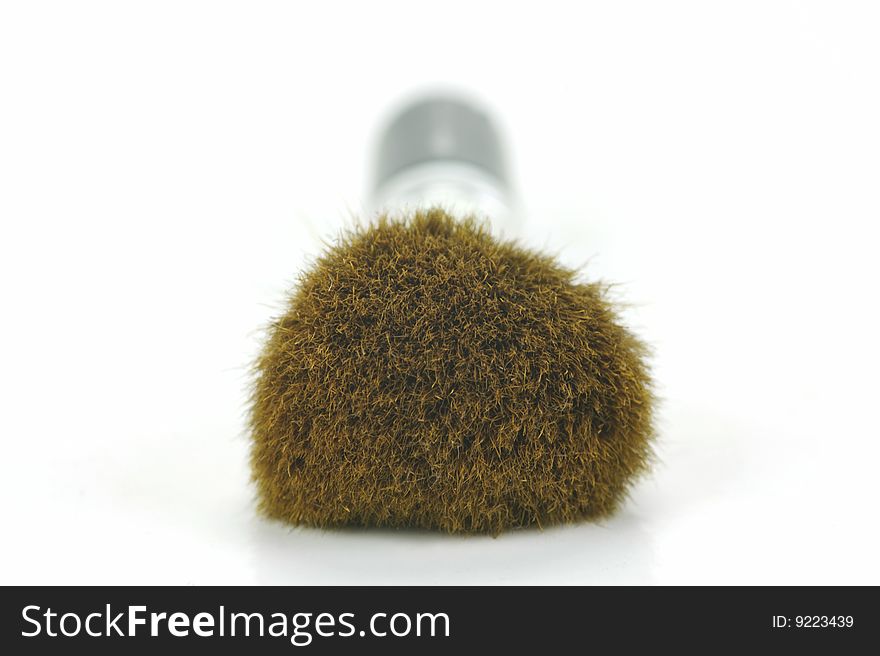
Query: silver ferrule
(442, 151)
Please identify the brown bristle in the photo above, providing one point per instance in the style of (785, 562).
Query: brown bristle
(426, 374)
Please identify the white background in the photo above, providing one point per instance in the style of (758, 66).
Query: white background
(166, 168)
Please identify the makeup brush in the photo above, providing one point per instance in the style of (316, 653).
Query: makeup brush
(427, 373)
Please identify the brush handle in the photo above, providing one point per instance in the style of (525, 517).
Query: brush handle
(442, 151)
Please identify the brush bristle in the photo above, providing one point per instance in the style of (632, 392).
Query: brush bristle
(426, 374)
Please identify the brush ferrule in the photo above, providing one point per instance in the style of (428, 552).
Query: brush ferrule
(443, 152)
